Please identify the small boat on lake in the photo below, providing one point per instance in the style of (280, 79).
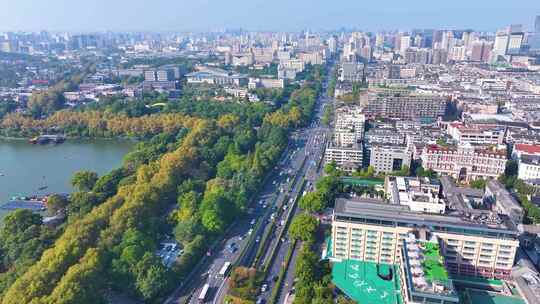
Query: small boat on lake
(47, 138)
(44, 185)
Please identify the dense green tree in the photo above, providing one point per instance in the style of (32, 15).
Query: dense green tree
(188, 203)
(312, 202)
(478, 183)
(108, 183)
(152, 277)
(23, 239)
(186, 231)
(303, 227)
(45, 102)
(212, 221)
(81, 203)
(84, 180)
(511, 168)
(56, 203)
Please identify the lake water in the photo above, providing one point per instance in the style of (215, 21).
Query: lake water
(24, 167)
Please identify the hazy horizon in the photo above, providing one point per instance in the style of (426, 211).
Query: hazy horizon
(278, 15)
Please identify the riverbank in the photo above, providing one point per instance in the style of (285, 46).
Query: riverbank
(24, 138)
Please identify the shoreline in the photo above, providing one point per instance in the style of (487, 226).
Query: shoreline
(17, 138)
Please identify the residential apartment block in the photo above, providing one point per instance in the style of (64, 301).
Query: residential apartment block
(529, 167)
(476, 134)
(347, 158)
(464, 162)
(351, 72)
(350, 120)
(404, 104)
(389, 158)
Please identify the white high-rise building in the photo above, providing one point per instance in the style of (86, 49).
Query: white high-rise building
(501, 43)
(405, 44)
(332, 44)
(445, 43)
(466, 38)
(379, 40)
(418, 41)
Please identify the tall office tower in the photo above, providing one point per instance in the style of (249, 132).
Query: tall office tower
(534, 40)
(379, 40)
(514, 42)
(405, 43)
(439, 56)
(515, 39)
(332, 44)
(501, 43)
(366, 53)
(437, 37)
(515, 28)
(480, 51)
(275, 45)
(466, 39)
(397, 41)
(418, 41)
(446, 40)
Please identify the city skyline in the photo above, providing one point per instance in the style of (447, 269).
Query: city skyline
(164, 15)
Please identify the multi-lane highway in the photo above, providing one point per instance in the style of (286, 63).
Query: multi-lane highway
(249, 242)
(316, 138)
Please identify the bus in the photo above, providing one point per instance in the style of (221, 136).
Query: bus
(204, 291)
(225, 269)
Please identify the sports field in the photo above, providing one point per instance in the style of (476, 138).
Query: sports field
(359, 281)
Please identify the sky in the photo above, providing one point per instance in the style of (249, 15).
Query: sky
(286, 15)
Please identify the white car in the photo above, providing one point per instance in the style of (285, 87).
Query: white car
(264, 287)
(253, 221)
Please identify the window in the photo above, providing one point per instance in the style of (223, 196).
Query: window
(504, 252)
